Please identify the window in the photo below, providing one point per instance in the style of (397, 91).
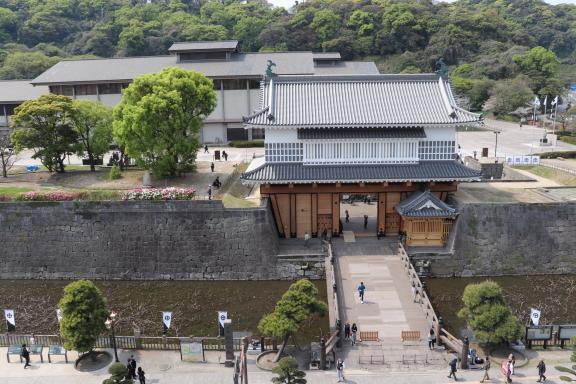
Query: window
(110, 89)
(85, 89)
(436, 150)
(9, 108)
(195, 56)
(67, 90)
(230, 84)
(253, 84)
(217, 84)
(283, 152)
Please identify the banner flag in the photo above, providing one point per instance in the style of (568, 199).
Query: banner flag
(222, 317)
(10, 320)
(535, 316)
(536, 101)
(167, 320)
(59, 314)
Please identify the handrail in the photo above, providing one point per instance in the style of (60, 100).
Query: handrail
(426, 304)
(334, 308)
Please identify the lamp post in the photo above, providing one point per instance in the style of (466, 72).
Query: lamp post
(110, 325)
(496, 146)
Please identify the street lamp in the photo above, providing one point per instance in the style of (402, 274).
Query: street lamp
(496, 146)
(110, 325)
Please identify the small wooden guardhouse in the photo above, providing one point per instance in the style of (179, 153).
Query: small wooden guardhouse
(425, 219)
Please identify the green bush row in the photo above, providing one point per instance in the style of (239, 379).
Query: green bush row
(554, 155)
(247, 143)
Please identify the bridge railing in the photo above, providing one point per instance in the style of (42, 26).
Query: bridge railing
(333, 305)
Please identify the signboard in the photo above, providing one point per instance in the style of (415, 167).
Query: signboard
(166, 321)
(566, 332)
(539, 333)
(522, 160)
(222, 317)
(192, 351)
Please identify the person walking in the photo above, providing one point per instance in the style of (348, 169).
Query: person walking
(486, 368)
(347, 216)
(212, 166)
(361, 290)
(347, 331)
(225, 155)
(133, 366)
(511, 363)
(414, 292)
(340, 370)
(541, 371)
(431, 339)
(25, 353)
(365, 221)
(129, 374)
(453, 369)
(206, 149)
(141, 376)
(354, 331)
(209, 192)
(306, 239)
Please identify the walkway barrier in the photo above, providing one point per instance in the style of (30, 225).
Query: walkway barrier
(333, 304)
(443, 337)
(381, 358)
(369, 336)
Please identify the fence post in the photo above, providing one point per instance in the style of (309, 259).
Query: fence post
(322, 354)
(137, 338)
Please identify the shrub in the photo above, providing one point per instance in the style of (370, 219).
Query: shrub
(554, 155)
(160, 194)
(115, 173)
(488, 315)
(99, 195)
(247, 143)
(5, 198)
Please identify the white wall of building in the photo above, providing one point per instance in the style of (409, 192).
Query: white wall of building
(440, 133)
(110, 100)
(213, 133)
(281, 136)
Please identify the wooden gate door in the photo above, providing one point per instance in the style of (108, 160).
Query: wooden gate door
(392, 217)
(303, 214)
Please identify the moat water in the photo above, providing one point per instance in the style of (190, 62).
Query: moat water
(194, 305)
(554, 295)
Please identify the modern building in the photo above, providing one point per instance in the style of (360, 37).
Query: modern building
(12, 94)
(333, 141)
(236, 77)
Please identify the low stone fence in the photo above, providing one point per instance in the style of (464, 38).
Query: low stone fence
(443, 336)
(331, 286)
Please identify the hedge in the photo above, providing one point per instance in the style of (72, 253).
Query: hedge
(247, 143)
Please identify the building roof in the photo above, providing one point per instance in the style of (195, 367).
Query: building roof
(360, 133)
(17, 91)
(127, 68)
(327, 56)
(357, 101)
(424, 204)
(425, 171)
(347, 68)
(221, 45)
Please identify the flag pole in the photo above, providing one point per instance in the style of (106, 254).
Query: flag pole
(555, 111)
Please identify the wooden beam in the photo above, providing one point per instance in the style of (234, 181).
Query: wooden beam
(355, 188)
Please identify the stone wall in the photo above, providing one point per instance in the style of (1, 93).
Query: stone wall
(511, 239)
(137, 240)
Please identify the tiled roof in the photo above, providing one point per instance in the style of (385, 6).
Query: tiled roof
(282, 173)
(360, 133)
(327, 56)
(424, 204)
(17, 91)
(357, 101)
(222, 45)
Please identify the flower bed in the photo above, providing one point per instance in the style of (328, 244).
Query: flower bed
(45, 196)
(160, 194)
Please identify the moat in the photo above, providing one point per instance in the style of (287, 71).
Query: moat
(139, 304)
(549, 293)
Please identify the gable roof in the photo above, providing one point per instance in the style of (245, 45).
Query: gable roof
(18, 91)
(357, 101)
(424, 204)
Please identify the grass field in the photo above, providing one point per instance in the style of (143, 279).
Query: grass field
(551, 174)
(13, 191)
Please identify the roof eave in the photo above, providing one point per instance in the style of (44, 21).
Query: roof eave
(411, 124)
(247, 180)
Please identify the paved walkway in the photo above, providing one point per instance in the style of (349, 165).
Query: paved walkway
(388, 307)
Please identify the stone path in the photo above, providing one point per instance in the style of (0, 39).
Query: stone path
(388, 307)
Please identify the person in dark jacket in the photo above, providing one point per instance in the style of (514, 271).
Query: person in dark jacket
(25, 353)
(453, 369)
(141, 376)
(346, 331)
(541, 371)
(133, 366)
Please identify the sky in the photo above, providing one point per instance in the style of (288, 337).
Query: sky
(289, 3)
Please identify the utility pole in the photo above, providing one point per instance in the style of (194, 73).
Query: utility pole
(496, 146)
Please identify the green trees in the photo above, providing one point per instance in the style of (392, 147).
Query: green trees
(288, 372)
(508, 95)
(45, 125)
(295, 306)
(540, 65)
(84, 311)
(487, 314)
(159, 119)
(7, 154)
(93, 125)
(118, 372)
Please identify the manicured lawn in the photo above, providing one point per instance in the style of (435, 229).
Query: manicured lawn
(551, 174)
(13, 191)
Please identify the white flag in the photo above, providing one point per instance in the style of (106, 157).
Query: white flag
(536, 101)
(535, 316)
(59, 314)
(555, 101)
(9, 316)
(167, 319)
(546, 100)
(222, 317)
